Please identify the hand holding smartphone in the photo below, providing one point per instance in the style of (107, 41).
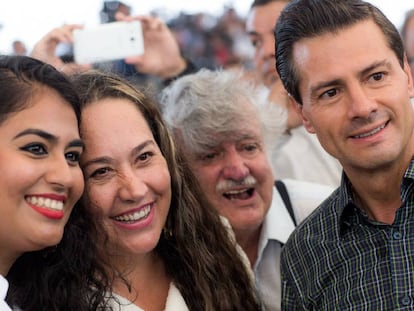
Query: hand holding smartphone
(107, 42)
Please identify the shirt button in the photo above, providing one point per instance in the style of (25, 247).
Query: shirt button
(397, 235)
(405, 300)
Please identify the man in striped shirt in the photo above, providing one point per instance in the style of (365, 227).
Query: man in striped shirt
(343, 64)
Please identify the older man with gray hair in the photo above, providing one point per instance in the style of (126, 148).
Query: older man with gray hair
(228, 131)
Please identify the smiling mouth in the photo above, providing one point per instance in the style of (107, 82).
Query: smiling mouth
(134, 216)
(242, 194)
(41, 202)
(372, 132)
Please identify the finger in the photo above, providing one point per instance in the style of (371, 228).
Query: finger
(134, 60)
(150, 22)
(67, 31)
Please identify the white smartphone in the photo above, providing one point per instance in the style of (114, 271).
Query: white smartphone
(107, 42)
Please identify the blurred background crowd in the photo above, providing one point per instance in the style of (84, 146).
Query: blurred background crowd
(211, 38)
(210, 35)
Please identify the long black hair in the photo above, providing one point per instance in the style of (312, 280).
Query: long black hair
(71, 275)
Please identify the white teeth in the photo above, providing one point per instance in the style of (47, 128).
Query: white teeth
(235, 191)
(374, 131)
(45, 202)
(138, 215)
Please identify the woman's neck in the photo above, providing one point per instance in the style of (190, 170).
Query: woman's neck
(7, 259)
(148, 281)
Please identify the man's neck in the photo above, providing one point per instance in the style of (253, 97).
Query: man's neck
(378, 193)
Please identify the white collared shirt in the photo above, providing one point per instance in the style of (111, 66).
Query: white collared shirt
(277, 227)
(4, 286)
(314, 165)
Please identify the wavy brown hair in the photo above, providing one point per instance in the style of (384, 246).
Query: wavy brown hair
(199, 255)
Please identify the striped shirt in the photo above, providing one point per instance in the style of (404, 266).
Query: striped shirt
(338, 259)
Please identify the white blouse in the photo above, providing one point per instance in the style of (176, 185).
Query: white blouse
(175, 301)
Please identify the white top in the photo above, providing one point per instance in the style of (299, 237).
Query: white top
(175, 302)
(302, 157)
(277, 227)
(4, 286)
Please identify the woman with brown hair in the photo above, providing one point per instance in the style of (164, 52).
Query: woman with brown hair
(168, 243)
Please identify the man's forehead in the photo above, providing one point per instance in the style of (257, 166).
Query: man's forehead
(329, 45)
(329, 59)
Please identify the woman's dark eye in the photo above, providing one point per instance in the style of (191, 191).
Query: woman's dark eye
(36, 149)
(100, 172)
(73, 157)
(144, 156)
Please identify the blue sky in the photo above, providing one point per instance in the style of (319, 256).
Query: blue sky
(29, 20)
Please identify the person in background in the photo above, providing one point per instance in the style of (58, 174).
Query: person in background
(111, 8)
(163, 58)
(315, 164)
(407, 33)
(47, 247)
(346, 71)
(228, 131)
(108, 14)
(170, 245)
(19, 48)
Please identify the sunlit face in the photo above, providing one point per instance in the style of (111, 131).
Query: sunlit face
(356, 97)
(126, 175)
(40, 174)
(236, 177)
(260, 24)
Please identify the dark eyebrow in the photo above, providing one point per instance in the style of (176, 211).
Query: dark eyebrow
(141, 146)
(362, 73)
(37, 132)
(107, 160)
(48, 137)
(373, 66)
(101, 160)
(324, 84)
(77, 143)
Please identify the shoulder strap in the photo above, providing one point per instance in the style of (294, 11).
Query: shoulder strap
(281, 187)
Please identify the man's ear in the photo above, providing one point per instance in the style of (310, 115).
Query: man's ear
(299, 109)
